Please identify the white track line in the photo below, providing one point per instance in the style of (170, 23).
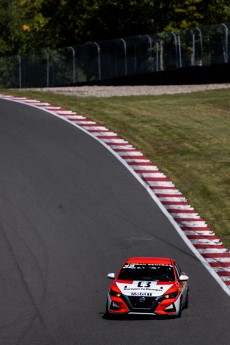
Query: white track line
(194, 231)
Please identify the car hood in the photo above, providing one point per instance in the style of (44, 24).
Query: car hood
(144, 288)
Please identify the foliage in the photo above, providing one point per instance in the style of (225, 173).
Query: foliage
(40, 24)
(193, 13)
(9, 72)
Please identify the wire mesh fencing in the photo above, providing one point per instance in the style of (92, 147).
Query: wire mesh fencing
(116, 58)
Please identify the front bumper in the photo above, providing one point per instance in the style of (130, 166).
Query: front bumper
(139, 306)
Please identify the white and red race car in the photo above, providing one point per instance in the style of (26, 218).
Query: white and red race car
(148, 285)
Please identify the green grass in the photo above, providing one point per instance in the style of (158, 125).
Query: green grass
(186, 135)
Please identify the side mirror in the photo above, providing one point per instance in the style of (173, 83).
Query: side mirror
(111, 275)
(183, 278)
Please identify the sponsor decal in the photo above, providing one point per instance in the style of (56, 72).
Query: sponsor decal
(140, 294)
(145, 285)
(135, 266)
(142, 288)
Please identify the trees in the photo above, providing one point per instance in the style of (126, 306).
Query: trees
(114, 19)
(89, 20)
(192, 13)
(8, 24)
(36, 24)
(21, 25)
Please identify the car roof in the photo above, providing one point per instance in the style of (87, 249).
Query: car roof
(150, 260)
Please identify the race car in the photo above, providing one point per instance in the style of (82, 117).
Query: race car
(148, 286)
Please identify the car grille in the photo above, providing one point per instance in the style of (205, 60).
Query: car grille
(135, 302)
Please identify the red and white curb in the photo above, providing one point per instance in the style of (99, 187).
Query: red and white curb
(195, 232)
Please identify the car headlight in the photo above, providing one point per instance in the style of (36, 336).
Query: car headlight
(115, 293)
(171, 295)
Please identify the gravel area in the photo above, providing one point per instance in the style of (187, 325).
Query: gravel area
(109, 91)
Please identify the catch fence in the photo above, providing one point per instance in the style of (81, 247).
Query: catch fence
(117, 58)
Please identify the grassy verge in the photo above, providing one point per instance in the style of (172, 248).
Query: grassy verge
(186, 135)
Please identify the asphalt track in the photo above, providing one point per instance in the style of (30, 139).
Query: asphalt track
(69, 214)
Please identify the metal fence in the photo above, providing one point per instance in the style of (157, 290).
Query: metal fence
(117, 58)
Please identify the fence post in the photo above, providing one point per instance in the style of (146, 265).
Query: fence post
(179, 51)
(175, 42)
(193, 55)
(47, 68)
(201, 46)
(98, 59)
(125, 53)
(74, 64)
(19, 71)
(151, 53)
(157, 56)
(161, 55)
(226, 43)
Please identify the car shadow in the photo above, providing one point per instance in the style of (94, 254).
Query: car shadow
(127, 317)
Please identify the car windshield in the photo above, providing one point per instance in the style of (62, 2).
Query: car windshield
(158, 272)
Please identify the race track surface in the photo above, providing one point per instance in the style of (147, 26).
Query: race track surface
(69, 214)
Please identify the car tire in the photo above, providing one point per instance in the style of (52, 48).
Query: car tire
(106, 314)
(180, 310)
(186, 303)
